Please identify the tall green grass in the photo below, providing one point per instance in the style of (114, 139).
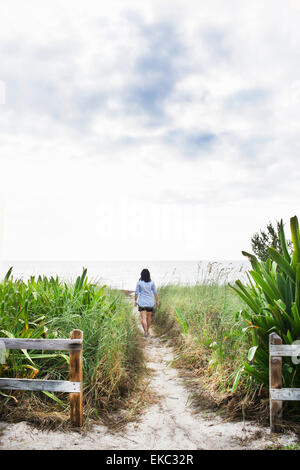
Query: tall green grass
(49, 307)
(211, 337)
(223, 330)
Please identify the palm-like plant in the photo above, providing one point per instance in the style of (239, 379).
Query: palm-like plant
(273, 296)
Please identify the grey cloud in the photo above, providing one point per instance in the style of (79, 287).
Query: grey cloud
(254, 147)
(217, 41)
(192, 143)
(250, 97)
(45, 79)
(156, 71)
(251, 150)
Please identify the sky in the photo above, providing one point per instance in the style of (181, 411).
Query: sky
(156, 130)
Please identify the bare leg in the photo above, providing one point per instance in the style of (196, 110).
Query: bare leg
(148, 320)
(144, 321)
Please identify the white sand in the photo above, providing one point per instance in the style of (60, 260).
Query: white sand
(168, 424)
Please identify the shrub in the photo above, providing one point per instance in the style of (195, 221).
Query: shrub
(48, 307)
(273, 296)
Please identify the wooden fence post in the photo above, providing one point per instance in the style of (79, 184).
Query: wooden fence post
(76, 399)
(275, 381)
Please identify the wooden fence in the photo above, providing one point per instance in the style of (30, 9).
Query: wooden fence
(73, 386)
(278, 394)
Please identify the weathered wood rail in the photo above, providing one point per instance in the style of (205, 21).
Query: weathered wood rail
(73, 386)
(277, 350)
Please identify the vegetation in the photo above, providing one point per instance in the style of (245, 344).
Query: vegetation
(221, 332)
(210, 338)
(273, 297)
(261, 242)
(45, 307)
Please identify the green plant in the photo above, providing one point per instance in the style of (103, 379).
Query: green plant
(260, 242)
(273, 296)
(48, 307)
(203, 321)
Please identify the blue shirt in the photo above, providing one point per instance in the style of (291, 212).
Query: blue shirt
(145, 291)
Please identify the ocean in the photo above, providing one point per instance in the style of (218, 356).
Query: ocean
(125, 274)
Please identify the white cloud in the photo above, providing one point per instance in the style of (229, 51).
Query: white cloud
(146, 130)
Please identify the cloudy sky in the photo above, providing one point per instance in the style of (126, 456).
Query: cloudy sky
(146, 130)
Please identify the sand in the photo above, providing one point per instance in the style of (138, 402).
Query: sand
(170, 423)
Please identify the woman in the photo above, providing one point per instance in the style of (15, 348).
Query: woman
(144, 292)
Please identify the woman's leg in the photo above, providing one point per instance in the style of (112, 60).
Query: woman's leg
(148, 320)
(144, 320)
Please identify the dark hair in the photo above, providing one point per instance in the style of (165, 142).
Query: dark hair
(145, 275)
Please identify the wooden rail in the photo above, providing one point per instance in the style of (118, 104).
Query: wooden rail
(73, 386)
(277, 394)
(45, 344)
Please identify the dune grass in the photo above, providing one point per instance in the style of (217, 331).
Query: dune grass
(47, 307)
(211, 342)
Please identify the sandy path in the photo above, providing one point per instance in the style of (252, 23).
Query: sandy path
(168, 424)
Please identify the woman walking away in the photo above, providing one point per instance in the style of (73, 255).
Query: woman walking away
(145, 292)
